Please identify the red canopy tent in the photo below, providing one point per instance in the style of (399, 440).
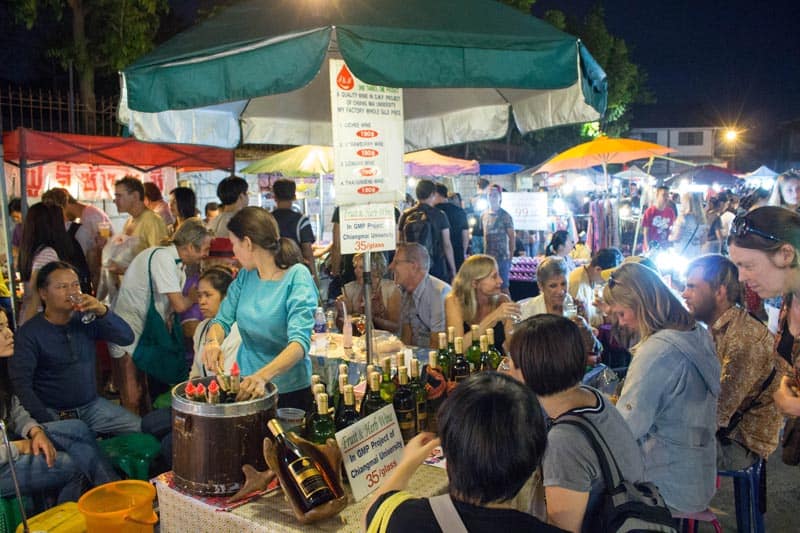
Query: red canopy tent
(26, 148)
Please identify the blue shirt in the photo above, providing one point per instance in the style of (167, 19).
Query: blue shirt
(54, 365)
(271, 314)
(423, 310)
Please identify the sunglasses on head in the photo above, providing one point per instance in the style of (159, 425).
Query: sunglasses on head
(612, 282)
(742, 227)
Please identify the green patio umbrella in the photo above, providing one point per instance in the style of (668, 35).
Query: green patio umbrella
(256, 72)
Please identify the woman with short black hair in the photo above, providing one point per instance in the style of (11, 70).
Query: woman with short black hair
(492, 433)
(547, 355)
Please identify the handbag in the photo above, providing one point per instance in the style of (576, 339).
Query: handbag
(791, 442)
(161, 353)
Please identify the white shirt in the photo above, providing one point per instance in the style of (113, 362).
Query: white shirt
(134, 294)
(88, 231)
(229, 347)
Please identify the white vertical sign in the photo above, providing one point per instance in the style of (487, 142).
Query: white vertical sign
(368, 138)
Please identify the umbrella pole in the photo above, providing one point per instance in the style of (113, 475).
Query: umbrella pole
(367, 276)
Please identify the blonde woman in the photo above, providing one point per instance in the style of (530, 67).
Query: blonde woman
(477, 298)
(786, 191)
(670, 395)
(386, 298)
(690, 231)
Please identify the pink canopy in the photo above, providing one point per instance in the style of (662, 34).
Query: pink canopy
(429, 164)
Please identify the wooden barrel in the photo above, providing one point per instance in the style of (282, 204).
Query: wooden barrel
(211, 442)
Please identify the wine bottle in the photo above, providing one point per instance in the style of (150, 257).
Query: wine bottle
(434, 400)
(304, 476)
(405, 406)
(322, 427)
(388, 386)
(451, 342)
(311, 417)
(348, 416)
(337, 393)
(373, 402)
(367, 373)
(474, 350)
(486, 363)
(443, 358)
(420, 397)
(461, 369)
(495, 355)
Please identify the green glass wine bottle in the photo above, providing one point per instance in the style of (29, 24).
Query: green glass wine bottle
(443, 357)
(373, 402)
(495, 355)
(388, 386)
(322, 427)
(348, 416)
(474, 350)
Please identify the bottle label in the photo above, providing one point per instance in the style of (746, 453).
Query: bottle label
(459, 379)
(422, 417)
(405, 419)
(307, 477)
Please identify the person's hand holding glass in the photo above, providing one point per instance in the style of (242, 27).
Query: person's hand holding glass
(6, 336)
(88, 305)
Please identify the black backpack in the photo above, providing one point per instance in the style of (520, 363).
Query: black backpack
(626, 507)
(418, 228)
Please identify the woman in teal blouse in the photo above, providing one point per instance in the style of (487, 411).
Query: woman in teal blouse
(272, 300)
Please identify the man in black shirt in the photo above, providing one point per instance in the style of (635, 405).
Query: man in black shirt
(459, 229)
(291, 224)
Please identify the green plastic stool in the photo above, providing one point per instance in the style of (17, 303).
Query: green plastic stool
(132, 453)
(163, 400)
(9, 515)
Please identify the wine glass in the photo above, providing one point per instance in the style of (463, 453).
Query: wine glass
(77, 299)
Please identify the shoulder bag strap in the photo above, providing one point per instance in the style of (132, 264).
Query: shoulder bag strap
(612, 477)
(691, 238)
(150, 275)
(446, 514)
(380, 520)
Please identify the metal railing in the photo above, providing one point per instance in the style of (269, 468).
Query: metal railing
(56, 111)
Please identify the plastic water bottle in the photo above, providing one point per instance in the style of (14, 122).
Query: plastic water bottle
(320, 338)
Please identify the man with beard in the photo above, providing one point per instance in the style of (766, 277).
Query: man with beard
(747, 420)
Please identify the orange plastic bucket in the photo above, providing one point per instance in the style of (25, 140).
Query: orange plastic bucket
(122, 506)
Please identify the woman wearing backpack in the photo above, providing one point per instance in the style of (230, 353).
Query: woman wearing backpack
(671, 391)
(547, 353)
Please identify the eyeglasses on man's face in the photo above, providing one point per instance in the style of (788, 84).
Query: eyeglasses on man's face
(742, 226)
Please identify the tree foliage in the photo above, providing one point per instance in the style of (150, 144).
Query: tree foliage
(97, 36)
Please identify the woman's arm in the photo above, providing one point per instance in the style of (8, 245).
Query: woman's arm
(254, 386)
(454, 316)
(565, 508)
(414, 454)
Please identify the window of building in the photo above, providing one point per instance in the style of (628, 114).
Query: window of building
(690, 138)
(649, 136)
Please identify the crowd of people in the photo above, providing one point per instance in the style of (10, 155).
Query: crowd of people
(706, 388)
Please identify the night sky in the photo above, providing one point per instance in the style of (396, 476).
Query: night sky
(738, 60)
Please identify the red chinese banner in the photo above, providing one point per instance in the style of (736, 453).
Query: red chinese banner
(84, 182)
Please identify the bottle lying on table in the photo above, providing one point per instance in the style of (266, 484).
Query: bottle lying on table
(305, 478)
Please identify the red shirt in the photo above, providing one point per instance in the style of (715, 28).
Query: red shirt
(659, 222)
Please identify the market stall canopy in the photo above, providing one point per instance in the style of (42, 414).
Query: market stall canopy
(257, 73)
(34, 147)
(603, 151)
(632, 174)
(500, 169)
(705, 175)
(313, 160)
(300, 161)
(762, 172)
(430, 164)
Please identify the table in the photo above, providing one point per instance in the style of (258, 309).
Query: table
(327, 364)
(180, 512)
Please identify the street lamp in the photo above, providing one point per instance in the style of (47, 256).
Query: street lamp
(731, 138)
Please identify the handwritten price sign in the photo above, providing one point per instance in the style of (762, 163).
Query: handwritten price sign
(528, 209)
(371, 449)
